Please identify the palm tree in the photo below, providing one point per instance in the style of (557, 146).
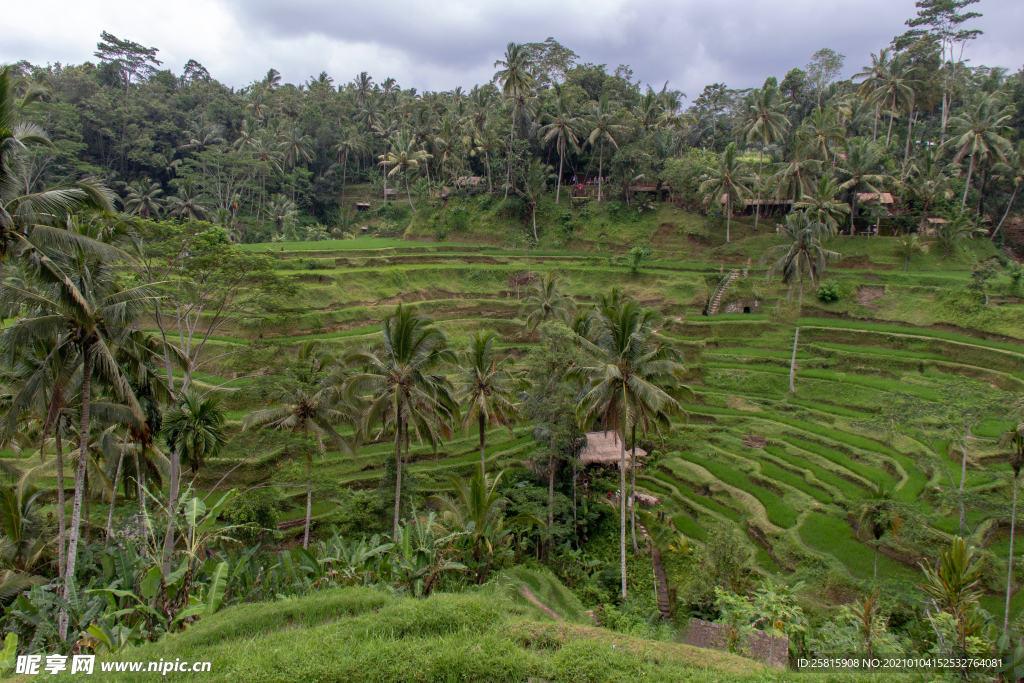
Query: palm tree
(1015, 440)
(766, 124)
(728, 184)
(404, 158)
(295, 147)
(561, 130)
(874, 76)
(822, 206)
(931, 184)
(1012, 169)
(875, 518)
(487, 386)
(908, 244)
(280, 210)
(186, 205)
(516, 83)
(404, 386)
(860, 170)
(603, 128)
(804, 253)
(626, 383)
(143, 198)
(306, 408)
(534, 184)
(957, 228)
(352, 142)
(81, 295)
(895, 87)
(548, 299)
(820, 130)
(196, 429)
(363, 86)
(980, 131)
(795, 175)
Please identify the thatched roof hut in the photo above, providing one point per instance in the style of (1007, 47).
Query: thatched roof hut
(604, 448)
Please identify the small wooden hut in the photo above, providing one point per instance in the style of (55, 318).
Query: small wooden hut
(604, 448)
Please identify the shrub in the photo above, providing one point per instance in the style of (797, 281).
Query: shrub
(459, 219)
(513, 207)
(828, 292)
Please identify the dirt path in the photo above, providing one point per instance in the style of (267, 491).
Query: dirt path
(528, 594)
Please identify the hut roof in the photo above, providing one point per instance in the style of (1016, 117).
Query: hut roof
(880, 197)
(937, 221)
(603, 448)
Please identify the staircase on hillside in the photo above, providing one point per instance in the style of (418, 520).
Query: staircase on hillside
(716, 298)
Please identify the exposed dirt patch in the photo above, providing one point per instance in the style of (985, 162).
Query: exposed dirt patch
(868, 293)
(528, 594)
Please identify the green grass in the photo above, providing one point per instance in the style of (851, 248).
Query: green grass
(916, 331)
(835, 537)
(359, 243)
(705, 501)
(870, 473)
(773, 471)
(779, 513)
(686, 525)
(879, 383)
(879, 351)
(850, 490)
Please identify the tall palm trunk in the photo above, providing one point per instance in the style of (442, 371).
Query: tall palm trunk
(535, 238)
(1009, 562)
(61, 512)
(874, 130)
(113, 490)
(561, 160)
(408, 193)
(970, 172)
(398, 477)
(1006, 213)
(487, 158)
(140, 488)
(600, 170)
(76, 510)
(910, 129)
(511, 142)
(172, 509)
(874, 577)
(892, 115)
(622, 499)
(632, 493)
(309, 499)
(757, 207)
(344, 167)
(728, 216)
(551, 501)
(483, 452)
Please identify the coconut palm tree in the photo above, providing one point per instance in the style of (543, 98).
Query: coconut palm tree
(860, 169)
(404, 386)
(186, 205)
(875, 518)
(958, 227)
(404, 157)
(804, 253)
(895, 85)
(517, 82)
(795, 176)
(1011, 169)
(312, 408)
(548, 299)
(280, 210)
(874, 77)
(728, 184)
(535, 183)
(562, 130)
(487, 386)
(822, 206)
(821, 130)
(81, 295)
(980, 131)
(908, 244)
(931, 184)
(601, 122)
(144, 198)
(196, 428)
(628, 381)
(1015, 440)
(764, 124)
(352, 142)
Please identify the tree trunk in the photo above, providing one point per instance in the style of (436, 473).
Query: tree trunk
(1009, 562)
(970, 172)
(483, 451)
(892, 115)
(172, 509)
(398, 478)
(61, 512)
(344, 167)
(140, 492)
(600, 170)
(875, 575)
(792, 363)
(113, 492)
(511, 142)
(963, 478)
(1006, 213)
(910, 128)
(551, 502)
(535, 238)
(309, 500)
(853, 210)
(757, 207)
(632, 494)
(487, 158)
(561, 160)
(622, 500)
(728, 217)
(408, 193)
(874, 131)
(76, 510)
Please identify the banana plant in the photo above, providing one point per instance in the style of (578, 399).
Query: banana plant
(421, 558)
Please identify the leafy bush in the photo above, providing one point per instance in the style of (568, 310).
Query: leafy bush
(513, 207)
(458, 220)
(828, 292)
(255, 513)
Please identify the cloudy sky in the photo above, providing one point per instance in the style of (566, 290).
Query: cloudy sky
(436, 45)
